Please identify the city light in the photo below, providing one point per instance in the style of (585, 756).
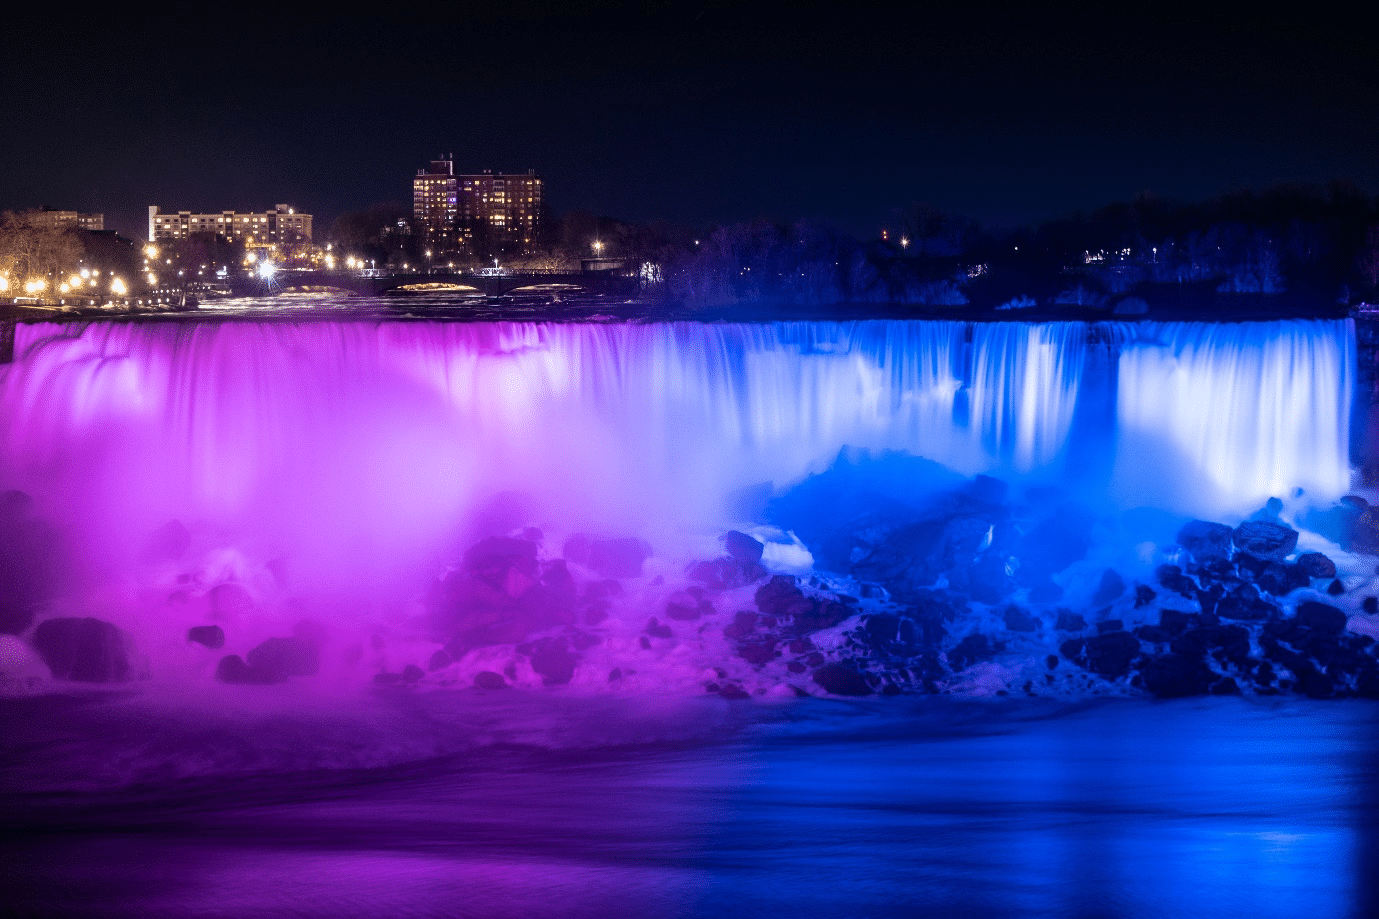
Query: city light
(117, 287)
(267, 270)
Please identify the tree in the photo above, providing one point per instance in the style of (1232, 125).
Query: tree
(32, 251)
(1369, 257)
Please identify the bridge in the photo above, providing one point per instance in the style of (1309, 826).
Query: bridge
(489, 284)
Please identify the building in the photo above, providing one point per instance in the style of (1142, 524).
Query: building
(434, 197)
(476, 214)
(278, 227)
(63, 220)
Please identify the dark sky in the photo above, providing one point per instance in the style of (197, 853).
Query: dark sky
(694, 112)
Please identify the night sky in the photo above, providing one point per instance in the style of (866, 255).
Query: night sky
(693, 112)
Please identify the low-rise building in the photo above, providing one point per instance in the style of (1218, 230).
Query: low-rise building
(281, 226)
(63, 220)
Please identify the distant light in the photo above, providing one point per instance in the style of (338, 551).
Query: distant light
(117, 288)
(267, 270)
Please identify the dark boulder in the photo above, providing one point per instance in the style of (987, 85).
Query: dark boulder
(656, 629)
(1054, 543)
(1279, 579)
(1171, 577)
(841, 680)
(1175, 676)
(280, 658)
(1144, 595)
(742, 547)
(86, 650)
(1110, 654)
(233, 669)
(1265, 539)
(487, 679)
(1019, 620)
(1317, 565)
(758, 652)
(1205, 540)
(1321, 617)
(1109, 625)
(1227, 643)
(780, 597)
(1068, 621)
(726, 573)
(1226, 686)
(610, 558)
(970, 650)
(551, 658)
(440, 660)
(230, 599)
(1335, 588)
(504, 563)
(1112, 586)
(743, 625)
(412, 673)
(212, 636)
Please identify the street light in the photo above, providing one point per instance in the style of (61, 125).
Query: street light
(598, 247)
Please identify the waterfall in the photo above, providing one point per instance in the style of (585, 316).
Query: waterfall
(349, 436)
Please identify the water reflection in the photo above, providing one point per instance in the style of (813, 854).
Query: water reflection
(1219, 807)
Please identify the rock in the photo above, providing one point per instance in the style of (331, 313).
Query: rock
(86, 650)
(972, 649)
(1068, 621)
(656, 629)
(233, 669)
(168, 543)
(1111, 588)
(1280, 579)
(1174, 676)
(1110, 654)
(1205, 540)
(841, 680)
(742, 547)
(279, 658)
(733, 691)
(412, 673)
(1322, 617)
(1229, 643)
(1144, 595)
(212, 636)
(726, 573)
(1265, 539)
(487, 679)
(1152, 633)
(758, 652)
(780, 597)
(230, 600)
(610, 558)
(551, 658)
(1072, 648)
(988, 579)
(1226, 686)
(1054, 543)
(1335, 588)
(1109, 625)
(1370, 605)
(743, 624)
(1171, 577)
(440, 660)
(1317, 565)
(1018, 620)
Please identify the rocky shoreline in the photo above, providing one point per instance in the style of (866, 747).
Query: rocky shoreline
(960, 589)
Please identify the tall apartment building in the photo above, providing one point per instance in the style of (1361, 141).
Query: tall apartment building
(280, 226)
(62, 220)
(488, 211)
